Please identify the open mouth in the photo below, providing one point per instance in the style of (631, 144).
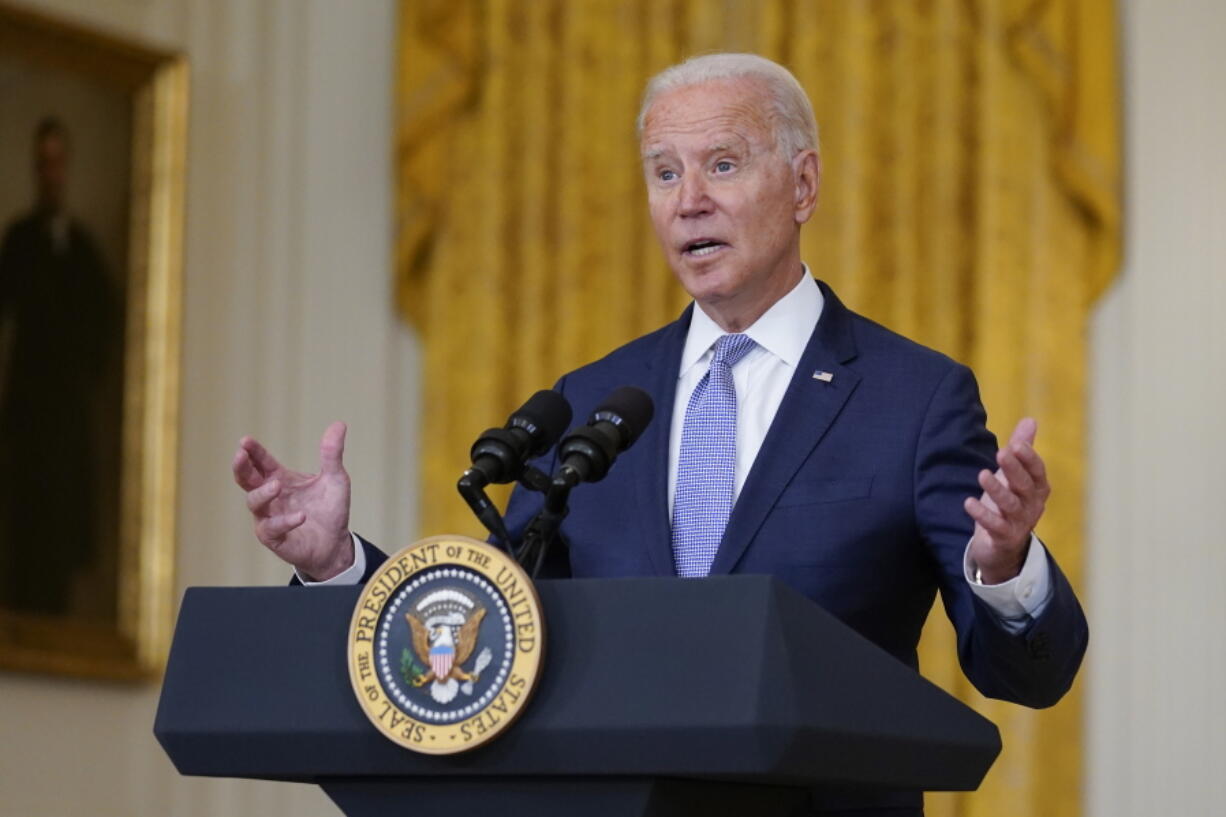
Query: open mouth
(703, 246)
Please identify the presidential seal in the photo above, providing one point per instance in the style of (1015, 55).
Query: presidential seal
(445, 646)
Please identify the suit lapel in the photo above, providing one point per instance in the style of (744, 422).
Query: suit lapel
(653, 487)
(809, 407)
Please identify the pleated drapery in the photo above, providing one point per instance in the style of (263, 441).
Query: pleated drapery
(971, 201)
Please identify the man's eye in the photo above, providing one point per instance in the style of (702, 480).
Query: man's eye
(723, 166)
(666, 175)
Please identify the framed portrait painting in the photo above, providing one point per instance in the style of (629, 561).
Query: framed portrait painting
(92, 150)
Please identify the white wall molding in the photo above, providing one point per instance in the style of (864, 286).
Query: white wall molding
(1156, 736)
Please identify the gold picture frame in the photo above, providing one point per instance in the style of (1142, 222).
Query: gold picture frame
(105, 609)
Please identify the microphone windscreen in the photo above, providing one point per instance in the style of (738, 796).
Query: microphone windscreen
(545, 417)
(630, 409)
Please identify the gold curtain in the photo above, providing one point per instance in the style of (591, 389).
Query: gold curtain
(971, 201)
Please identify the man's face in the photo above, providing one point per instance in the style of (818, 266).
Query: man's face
(726, 205)
(51, 171)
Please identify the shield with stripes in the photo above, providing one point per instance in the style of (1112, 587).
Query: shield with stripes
(441, 658)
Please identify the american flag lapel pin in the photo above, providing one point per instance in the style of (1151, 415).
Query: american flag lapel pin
(823, 376)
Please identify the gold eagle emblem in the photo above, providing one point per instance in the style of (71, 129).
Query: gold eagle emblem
(425, 637)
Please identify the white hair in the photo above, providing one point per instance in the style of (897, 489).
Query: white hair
(794, 125)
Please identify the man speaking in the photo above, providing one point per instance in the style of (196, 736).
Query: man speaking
(792, 436)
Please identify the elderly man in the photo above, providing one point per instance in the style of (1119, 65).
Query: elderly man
(793, 437)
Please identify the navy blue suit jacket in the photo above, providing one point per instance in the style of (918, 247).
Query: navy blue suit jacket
(855, 498)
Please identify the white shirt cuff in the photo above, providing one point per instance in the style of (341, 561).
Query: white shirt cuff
(1021, 598)
(350, 575)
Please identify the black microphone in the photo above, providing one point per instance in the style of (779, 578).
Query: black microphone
(588, 451)
(499, 454)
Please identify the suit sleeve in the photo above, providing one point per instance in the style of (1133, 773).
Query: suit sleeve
(1036, 665)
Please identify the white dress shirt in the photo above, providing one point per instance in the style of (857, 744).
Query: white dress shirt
(761, 379)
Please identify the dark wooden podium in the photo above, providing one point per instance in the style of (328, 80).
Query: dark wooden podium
(727, 695)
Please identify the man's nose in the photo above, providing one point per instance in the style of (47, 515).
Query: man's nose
(695, 199)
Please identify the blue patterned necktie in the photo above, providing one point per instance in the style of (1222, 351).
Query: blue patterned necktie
(706, 466)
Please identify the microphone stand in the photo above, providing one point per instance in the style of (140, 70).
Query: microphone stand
(540, 533)
(472, 487)
(534, 479)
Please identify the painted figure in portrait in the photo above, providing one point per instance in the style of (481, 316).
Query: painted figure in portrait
(61, 333)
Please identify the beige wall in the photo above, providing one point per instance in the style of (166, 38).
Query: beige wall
(287, 326)
(1157, 566)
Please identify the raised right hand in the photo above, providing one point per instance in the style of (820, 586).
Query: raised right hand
(303, 518)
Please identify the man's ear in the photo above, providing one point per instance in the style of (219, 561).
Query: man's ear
(807, 171)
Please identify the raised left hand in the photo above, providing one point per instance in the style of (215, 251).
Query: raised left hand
(301, 517)
(1013, 500)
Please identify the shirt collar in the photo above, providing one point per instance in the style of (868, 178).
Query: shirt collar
(783, 330)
